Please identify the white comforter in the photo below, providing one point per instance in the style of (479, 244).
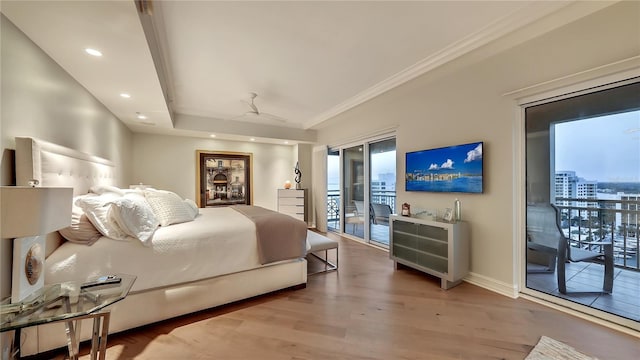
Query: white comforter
(219, 241)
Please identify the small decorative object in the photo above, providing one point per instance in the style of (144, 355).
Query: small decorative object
(456, 210)
(298, 175)
(287, 184)
(406, 209)
(448, 215)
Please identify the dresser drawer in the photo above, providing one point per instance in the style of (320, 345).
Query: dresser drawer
(288, 193)
(292, 209)
(291, 201)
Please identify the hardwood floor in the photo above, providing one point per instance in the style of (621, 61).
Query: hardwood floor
(366, 310)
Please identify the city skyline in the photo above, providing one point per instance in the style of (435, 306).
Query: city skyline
(603, 149)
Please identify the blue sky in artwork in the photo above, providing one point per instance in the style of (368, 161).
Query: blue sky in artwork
(465, 159)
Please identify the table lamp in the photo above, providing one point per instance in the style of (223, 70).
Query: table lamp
(28, 215)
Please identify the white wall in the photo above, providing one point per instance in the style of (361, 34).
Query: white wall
(40, 99)
(169, 162)
(462, 102)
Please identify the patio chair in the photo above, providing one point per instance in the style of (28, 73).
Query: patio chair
(357, 217)
(381, 213)
(545, 234)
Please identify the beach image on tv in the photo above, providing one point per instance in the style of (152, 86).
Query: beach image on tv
(449, 169)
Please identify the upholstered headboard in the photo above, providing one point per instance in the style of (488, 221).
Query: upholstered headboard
(55, 165)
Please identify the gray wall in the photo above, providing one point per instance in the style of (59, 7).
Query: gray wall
(41, 100)
(463, 102)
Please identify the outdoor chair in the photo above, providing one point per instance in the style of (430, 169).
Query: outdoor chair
(381, 213)
(545, 234)
(357, 217)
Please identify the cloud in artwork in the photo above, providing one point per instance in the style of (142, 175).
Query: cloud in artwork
(433, 167)
(447, 164)
(475, 154)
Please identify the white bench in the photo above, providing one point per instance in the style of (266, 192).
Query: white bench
(318, 242)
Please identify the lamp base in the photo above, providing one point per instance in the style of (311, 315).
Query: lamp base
(28, 266)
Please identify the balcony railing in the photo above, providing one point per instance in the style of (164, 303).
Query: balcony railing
(582, 220)
(585, 220)
(333, 204)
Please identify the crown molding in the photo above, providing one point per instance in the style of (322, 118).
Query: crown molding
(507, 24)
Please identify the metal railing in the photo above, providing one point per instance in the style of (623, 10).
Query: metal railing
(587, 220)
(333, 204)
(582, 220)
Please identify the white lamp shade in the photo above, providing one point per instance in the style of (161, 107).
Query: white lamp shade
(31, 211)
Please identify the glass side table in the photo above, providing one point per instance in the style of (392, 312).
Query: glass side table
(68, 302)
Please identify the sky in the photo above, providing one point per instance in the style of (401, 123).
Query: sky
(604, 149)
(465, 159)
(382, 163)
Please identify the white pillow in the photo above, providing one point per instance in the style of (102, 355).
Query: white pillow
(96, 207)
(102, 189)
(81, 230)
(134, 216)
(193, 207)
(168, 207)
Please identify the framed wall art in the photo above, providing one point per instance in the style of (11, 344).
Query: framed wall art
(223, 178)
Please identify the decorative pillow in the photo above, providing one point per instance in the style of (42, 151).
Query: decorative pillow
(96, 207)
(81, 230)
(168, 207)
(134, 216)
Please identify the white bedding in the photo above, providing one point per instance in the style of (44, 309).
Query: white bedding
(219, 241)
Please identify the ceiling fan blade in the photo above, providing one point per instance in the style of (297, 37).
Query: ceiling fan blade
(255, 116)
(272, 117)
(252, 106)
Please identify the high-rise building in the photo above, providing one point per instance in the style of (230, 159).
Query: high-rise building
(568, 185)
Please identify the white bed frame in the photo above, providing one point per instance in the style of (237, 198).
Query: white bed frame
(54, 165)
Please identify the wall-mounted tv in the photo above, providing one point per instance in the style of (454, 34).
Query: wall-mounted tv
(448, 169)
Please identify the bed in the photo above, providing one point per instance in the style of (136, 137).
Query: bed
(183, 268)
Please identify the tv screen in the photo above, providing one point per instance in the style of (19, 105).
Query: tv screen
(448, 169)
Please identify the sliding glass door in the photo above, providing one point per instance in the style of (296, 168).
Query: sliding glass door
(382, 189)
(353, 177)
(366, 195)
(333, 190)
(583, 199)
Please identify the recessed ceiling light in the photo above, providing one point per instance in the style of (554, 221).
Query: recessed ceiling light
(252, 139)
(93, 52)
(141, 117)
(125, 95)
(212, 135)
(286, 142)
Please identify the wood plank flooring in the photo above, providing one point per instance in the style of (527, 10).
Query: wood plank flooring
(366, 310)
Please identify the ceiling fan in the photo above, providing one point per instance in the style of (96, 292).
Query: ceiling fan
(255, 115)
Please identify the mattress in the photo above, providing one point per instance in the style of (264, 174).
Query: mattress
(219, 241)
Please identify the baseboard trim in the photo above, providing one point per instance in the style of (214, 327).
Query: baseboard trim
(491, 284)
